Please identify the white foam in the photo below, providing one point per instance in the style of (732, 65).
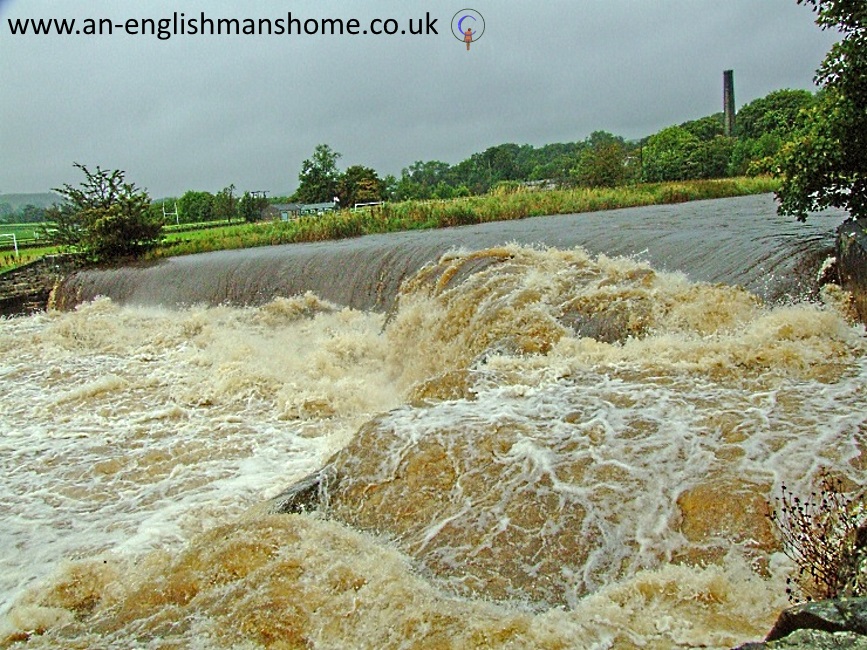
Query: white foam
(134, 432)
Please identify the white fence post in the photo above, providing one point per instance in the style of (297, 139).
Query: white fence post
(14, 241)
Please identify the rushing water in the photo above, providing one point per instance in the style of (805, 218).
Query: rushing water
(533, 448)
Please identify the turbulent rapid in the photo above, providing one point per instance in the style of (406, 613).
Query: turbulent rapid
(533, 447)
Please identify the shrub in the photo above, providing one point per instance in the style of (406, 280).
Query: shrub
(826, 536)
(104, 218)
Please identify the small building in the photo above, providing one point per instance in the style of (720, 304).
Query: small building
(318, 208)
(287, 211)
(282, 211)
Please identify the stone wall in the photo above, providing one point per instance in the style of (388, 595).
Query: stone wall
(26, 290)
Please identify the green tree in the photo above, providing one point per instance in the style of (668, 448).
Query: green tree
(252, 207)
(751, 156)
(763, 126)
(504, 162)
(460, 191)
(706, 128)
(443, 191)
(225, 204)
(196, 207)
(104, 218)
(475, 172)
(30, 214)
(666, 154)
(160, 210)
(710, 158)
(826, 162)
(603, 164)
(776, 113)
(389, 184)
(482, 171)
(553, 162)
(419, 180)
(319, 176)
(359, 184)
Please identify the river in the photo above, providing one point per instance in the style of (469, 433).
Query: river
(528, 444)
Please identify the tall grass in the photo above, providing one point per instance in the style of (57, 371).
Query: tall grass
(417, 215)
(10, 261)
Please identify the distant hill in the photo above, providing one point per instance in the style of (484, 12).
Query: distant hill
(40, 200)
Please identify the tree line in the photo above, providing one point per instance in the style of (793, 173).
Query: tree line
(697, 149)
(693, 150)
(203, 207)
(27, 213)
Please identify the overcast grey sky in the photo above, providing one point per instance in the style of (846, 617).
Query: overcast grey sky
(201, 112)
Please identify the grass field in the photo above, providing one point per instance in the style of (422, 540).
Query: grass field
(22, 231)
(26, 235)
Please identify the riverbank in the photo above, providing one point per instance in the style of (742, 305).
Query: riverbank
(26, 288)
(504, 205)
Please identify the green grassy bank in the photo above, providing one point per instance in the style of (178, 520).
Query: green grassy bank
(419, 215)
(502, 205)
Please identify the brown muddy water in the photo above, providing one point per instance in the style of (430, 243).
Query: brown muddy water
(530, 445)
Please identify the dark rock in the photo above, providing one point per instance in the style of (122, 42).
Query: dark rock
(610, 323)
(840, 623)
(852, 576)
(852, 263)
(844, 615)
(812, 640)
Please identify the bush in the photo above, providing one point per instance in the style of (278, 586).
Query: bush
(826, 536)
(104, 218)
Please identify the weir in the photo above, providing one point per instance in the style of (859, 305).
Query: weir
(738, 241)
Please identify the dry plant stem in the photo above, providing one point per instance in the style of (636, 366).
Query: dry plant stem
(817, 534)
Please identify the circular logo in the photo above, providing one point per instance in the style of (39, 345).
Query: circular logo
(468, 19)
